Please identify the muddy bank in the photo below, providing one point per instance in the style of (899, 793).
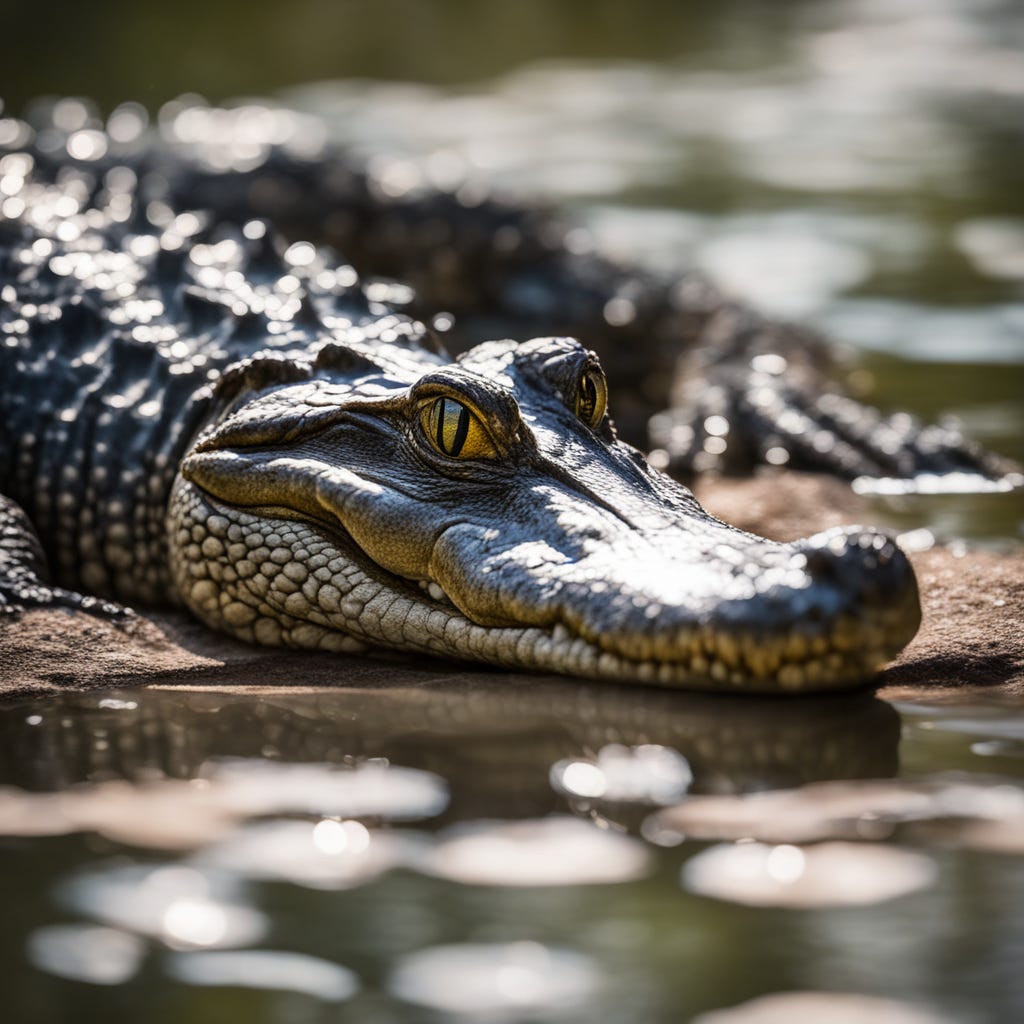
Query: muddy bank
(972, 635)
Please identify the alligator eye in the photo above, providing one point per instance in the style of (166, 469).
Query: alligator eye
(455, 431)
(591, 396)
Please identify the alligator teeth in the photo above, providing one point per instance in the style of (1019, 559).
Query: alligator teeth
(560, 634)
(436, 592)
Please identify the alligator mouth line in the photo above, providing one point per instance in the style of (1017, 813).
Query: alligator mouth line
(850, 651)
(794, 662)
(719, 662)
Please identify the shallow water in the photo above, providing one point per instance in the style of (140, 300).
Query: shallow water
(453, 851)
(443, 852)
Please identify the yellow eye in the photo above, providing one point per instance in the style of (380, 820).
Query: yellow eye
(591, 397)
(455, 431)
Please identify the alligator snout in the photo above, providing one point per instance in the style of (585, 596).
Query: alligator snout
(699, 603)
(827, 610)
(845, 604)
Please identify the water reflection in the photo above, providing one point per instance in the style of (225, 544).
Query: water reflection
(306, 790)
(500, 981)
(326, 855)
(493, 740)
(174, 814)
(822, 1008)
(265, 968)
(553, 851)
(180, 906)
(824, 875)
(983, 816)
(370, 788)
(647, 774)
(410, 843)
(80, 952)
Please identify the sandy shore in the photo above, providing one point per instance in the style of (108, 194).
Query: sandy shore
(972, 637)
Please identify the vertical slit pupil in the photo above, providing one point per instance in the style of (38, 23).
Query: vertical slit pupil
(452, 426)
(588, 398)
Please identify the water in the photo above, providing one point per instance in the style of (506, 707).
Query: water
(500, 854)
(465, 849)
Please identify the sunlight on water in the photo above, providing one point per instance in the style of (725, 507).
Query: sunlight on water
(788, 275)
(995, 246)
(327, 855)
(171, 814)
(992, 333)
(931, 483)
(645, 774)
(853, 109)
(542, 914)
(180, 906)
(269, 969)
(822, 1008)
(983, 814)
(513, 978)
(827, 875)
(100, 956)
(550, 851)
(377, 788)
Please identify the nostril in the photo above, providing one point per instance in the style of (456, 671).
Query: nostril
(828, 554)
(821, 563)
(847, 554)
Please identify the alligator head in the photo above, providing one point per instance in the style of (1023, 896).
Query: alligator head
(485, 510)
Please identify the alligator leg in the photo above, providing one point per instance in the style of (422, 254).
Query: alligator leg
(23, 572)
(752, 392)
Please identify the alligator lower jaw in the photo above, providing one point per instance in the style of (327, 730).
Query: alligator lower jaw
(721, 662)
(841, 654)
(747, 667)
(848, 652)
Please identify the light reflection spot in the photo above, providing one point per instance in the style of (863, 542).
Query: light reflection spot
(822, 1008)
(825, 875)
(194, 923)
(785, 863)
(647, 773)
(555, 851)
(267, 969)
(90, 953)
(335, 837)
(479, 978)
(583, 779)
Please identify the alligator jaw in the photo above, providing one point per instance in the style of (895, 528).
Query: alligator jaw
(558, 550)
(332, 597)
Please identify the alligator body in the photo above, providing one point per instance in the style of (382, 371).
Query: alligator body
(200, 409)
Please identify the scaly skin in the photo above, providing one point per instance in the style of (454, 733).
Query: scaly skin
(197, 418)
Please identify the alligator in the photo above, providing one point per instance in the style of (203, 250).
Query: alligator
(203, 405)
